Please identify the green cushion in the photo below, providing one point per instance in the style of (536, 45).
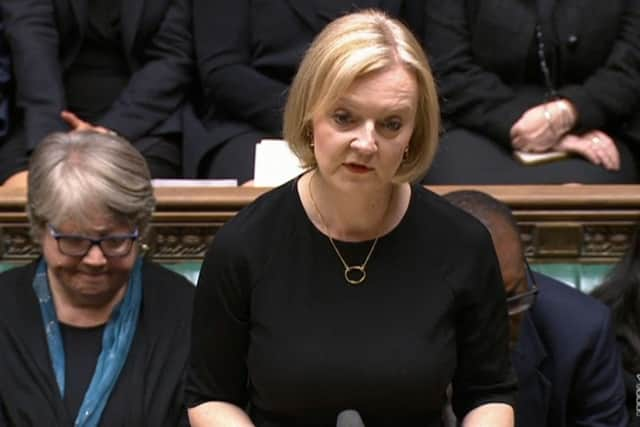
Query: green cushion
(190, 270)
(6, 266)
(584, 277)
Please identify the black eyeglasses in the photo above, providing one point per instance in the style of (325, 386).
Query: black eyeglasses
(525, 300)
(113, 246)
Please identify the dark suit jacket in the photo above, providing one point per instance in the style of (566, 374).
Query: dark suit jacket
(479, 51)
(568, 366)
(248, 53)
(45, 37)
(5, 78)
(150, 386)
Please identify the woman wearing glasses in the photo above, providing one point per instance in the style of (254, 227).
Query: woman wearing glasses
(91, 334)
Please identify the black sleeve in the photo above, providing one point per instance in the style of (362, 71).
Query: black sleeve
(472, 96)
(157, 90)
(484, 373)
(222, 30)
(220, 326)
(612, 91)
(3, 417)
(5, 79)
(32, 35)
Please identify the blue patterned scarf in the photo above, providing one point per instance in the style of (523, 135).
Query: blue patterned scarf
(116, 342)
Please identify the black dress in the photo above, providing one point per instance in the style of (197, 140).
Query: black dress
(277, 327)
(149, 390)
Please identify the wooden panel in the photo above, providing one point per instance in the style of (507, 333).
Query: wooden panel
(587, 223)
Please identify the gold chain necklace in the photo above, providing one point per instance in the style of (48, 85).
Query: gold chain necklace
(349, 270)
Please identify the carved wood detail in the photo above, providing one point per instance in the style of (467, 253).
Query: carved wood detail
(557, 223)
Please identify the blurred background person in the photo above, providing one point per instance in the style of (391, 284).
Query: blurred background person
(621, 292)
(91, 334)
(111, 66)
(247, 54)
(5, 79)
(342, 289)
(538, 76)
(562, 341)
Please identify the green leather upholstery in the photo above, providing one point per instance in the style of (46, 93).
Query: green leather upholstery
(584, 277)
(6, 266)
(581, 276)
(190, 270)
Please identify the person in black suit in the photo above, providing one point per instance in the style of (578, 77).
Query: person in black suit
(621, 292)
(562, 341)
(538, 77)
(111, 66)
(248, 53)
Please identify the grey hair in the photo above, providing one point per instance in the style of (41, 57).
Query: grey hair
(73, 176)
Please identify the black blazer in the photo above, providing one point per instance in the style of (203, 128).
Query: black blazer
(479, 51)
(45, 36)
(248, 53)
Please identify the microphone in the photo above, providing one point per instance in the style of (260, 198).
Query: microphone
(349, 418)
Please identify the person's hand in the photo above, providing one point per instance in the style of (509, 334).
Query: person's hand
(543, 126)
(595, 146)
(76, 123)
(17, 180)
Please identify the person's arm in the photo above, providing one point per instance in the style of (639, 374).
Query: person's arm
(222, 34)
(32, 36)
(484, 383)
(218, 414)
(611, 92)
(472, 96)
(216, 387)
(158, 89)
(490, 415)
(598, 387)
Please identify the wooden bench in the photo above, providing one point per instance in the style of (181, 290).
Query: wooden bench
(573, 230)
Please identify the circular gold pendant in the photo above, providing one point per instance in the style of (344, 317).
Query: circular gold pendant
(355, 274)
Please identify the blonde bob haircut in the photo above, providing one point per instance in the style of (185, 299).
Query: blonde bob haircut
(350, 48)
(74, 176)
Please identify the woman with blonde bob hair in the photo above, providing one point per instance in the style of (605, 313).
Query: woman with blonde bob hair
(341, 296)
(330, 67)
(91, 334)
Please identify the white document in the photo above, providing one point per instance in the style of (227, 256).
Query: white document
(194, 182)
(275, 164)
